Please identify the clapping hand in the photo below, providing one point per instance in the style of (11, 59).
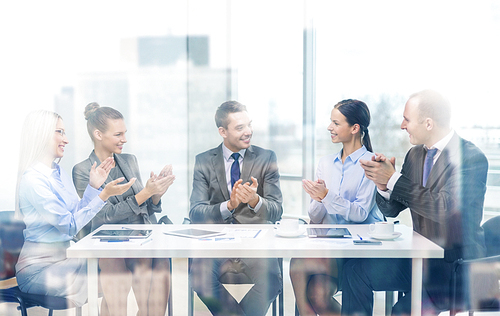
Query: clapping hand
(379, 169)
(316, 189)
(159, 184)
(113, 188)
(100, 174)
(247, 193)
(165, 172)
(234, 200)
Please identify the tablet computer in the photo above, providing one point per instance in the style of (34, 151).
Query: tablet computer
(328, 232)
(123, 233)
(193, 233)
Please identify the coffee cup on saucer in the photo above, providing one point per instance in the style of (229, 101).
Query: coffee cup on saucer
(288, 225)
(381, 229)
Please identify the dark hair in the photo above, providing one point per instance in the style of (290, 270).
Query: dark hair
(433, 105)
(224, 109)
(357, 112)
(97, 117)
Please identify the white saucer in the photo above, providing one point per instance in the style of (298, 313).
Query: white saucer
(385, 237)
(296, 233)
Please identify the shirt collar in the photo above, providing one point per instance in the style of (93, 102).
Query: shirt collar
(441, 144)
(354, 156)
(45, 170)
(227, 153)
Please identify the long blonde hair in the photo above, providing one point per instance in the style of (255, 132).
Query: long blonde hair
(36, 136)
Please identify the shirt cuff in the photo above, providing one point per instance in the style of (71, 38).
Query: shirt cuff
(390, 186)
(91, 192)
(392, 181)
(257, 207)
(328, 198)
(224, 212)
(385, 194)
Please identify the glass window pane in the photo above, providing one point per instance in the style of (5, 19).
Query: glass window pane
(381, 52)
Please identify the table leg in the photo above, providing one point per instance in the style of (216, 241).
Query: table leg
(179, 289)
(93, 298)
(416, 286)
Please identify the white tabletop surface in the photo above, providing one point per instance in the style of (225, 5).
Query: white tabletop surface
(237, 244)
(265, 245)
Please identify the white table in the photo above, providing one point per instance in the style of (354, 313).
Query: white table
(266, 245)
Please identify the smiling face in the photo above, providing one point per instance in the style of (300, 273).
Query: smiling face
(60, 140)
(340, 130)
(113, 139)
(413, 124)
(239, 131)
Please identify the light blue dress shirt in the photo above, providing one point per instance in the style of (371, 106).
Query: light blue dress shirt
(351, 196)
(51, 207)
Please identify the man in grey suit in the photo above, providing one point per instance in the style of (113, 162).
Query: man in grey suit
(236, 183)
(442, 182)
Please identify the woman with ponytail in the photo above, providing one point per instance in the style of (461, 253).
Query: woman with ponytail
(148, 277)
(341, 194)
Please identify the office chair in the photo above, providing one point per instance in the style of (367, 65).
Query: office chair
(166, 220)
(477, 289)
(11, 242)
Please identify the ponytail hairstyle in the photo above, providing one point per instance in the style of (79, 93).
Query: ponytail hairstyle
(36, 136)
(97, 117)
(357, 112)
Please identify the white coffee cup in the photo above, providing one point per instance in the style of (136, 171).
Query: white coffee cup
(382, 228)
(288, 225)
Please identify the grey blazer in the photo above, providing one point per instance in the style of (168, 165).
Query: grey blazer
(120, 209)
(210, 187)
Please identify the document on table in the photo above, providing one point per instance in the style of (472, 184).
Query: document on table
(244, 232)
(236, 234)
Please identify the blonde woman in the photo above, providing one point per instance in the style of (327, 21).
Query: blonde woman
(52, 211)
(149, 278)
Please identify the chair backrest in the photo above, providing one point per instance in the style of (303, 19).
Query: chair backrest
(11, 243)
(164, 220)
(492, 236)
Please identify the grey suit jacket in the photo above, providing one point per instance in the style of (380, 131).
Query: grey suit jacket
(210, 187)
(120, 209)
(449, 209)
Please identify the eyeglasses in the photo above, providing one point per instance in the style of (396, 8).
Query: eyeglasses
(61, 131)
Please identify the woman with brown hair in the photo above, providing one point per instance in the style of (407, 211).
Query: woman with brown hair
(149, 278)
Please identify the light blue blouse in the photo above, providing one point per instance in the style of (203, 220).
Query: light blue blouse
(51, 207)
(351, 196)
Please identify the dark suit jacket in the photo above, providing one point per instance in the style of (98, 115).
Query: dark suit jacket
(210, 187)
(449, 209)
(119, 209)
